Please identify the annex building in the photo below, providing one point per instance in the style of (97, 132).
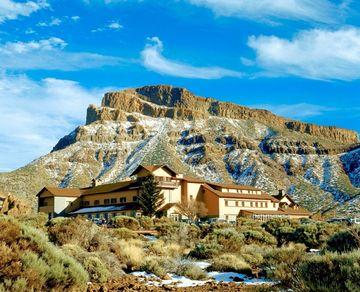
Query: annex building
(224, 201)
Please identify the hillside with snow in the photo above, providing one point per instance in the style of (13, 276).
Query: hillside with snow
(318, 166)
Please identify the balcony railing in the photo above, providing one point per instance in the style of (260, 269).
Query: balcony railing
(166, 182)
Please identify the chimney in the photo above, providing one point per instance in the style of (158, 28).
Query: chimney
(94, 182)
(281, 192)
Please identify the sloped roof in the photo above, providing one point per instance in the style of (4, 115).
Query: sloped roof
(281, 196)
(222, 185)
(300, 211)
(167, 206)
(263, 196)
(107, 208)
(152, 168)
(107, 188)
(61, 192)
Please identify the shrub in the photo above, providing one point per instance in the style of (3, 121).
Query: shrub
(253, 254)
(191, 271)
(258, 236)
(96, 269)
(37, 220)
(205, 250)
(331, 272)
(315, 235)
(281, 263)
(125, 221)
(230, 263)
(130, 253)
(159, 266)
(146, 222)
(123, 233)
(26, 256)
(344, 241)
(181, 233)
(161, 248)
(282, 228)
(77, 230)
(228, 238)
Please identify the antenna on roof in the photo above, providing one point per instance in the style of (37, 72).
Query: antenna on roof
(94, 182)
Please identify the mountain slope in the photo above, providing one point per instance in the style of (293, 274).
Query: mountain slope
(319, 166)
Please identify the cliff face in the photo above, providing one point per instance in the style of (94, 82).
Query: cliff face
(318, 166)
(179, 103)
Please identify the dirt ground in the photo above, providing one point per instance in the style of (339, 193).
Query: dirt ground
(131, 283)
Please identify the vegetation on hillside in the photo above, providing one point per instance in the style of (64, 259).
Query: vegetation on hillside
(66, 253)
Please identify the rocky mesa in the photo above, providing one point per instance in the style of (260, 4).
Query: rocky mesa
(203, 137)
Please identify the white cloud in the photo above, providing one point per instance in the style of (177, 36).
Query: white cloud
(52, 22)
(35, 114)
(153, 60)
(295, 111)
(49, 54)
(322, 11)
(313, 54)
(114, 25)
(10, 10)
(75, 18)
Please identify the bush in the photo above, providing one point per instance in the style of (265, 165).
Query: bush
(123, 233)
(160, 248)
(205, 250)
(253, 254)
(37, 220)
(230, 263)
(146, 222)
(228, 238)
(344, 241)
(96, 269)
(315, 235)
(125, 221)
(181, 233)
(281, 263)
(258, 236)
(77, 230)
(26, 256)
(191, 271)
(331, 272)
(130, 253)
(159, 266)
(282, 228)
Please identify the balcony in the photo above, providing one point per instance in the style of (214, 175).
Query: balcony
(166, 182)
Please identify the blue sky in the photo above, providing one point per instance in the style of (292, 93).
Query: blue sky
(298, 58)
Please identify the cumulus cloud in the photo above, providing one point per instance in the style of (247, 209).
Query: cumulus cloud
(313, 54)
(295, 111)
(153, 60)
(35, 114)
(49, 54)
(53, 22)
(10, 10)
(322, 11)
(114, 25)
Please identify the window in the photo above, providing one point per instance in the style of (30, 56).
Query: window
(191, 198)
(274, 205)
(226, 217)
(42, 202)
(106, 201)
(123, 200)
(236, 203)
(266, 205)
(135, 198)
(251, 204)
(85, 203)
(226, 203)
(96, 202)
(243, 204)
(256, 204)
(113, 200)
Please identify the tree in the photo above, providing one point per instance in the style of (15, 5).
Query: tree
(192, 209)
(150, 197)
